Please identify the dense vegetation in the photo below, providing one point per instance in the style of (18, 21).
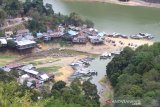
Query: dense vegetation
(43, 16)
(136, 75)
(76, 95)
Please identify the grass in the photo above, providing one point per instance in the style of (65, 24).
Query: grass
(36, 62)
(73, 52)
(49, 69)
(5, 59)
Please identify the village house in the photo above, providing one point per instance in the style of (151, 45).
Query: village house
(12, 66)
(28, 74)
(8, 33)
(80, 40)
(25, 44)
(46, 37)
(69, 35)
(95, 39)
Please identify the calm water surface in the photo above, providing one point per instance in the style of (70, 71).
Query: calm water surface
(114, 18)
(100, 67)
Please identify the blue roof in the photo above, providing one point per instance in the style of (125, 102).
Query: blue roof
(39, 35)
(72, 33)
(49, 31)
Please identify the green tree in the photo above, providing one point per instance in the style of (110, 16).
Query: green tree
(2, 16)
(59, 85)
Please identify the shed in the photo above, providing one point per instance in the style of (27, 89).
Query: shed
(3, 42)
(80, 39)
(32, 72)
(13, 66)
(72, 33)
(8, 33)
(44, 77)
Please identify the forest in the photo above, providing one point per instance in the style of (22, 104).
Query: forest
(136, 75)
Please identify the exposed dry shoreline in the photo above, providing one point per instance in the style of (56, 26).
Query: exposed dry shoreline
(130, 3)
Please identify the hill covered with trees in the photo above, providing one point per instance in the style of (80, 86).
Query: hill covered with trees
(42, 15)
(136, 75)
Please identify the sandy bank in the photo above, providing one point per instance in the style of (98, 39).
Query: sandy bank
(106, 47)
(130, 3)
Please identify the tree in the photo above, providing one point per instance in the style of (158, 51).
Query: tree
(89, 23)
(90, 91)
(49, 9)
(11, 44)
(135, 74)
(2, 33)
(13, 7)
(59, 85)
(2, 16)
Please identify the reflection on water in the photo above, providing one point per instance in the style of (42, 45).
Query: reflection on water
(100, 67)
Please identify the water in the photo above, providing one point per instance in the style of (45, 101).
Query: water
(100, 67)
(114, 18)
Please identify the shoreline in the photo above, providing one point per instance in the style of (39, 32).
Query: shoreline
(106, 47)
(130, 3)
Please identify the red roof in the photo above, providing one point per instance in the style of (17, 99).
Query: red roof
(13, 65)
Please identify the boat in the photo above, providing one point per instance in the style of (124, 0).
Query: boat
(136, 36)
(105, 55)
(146, 35)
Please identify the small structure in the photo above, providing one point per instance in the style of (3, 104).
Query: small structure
(46, 37)
(39, 35)
(80, 40)
(44, 77)
(3, 42)
(55, 34)
(13, 66)
(105, 55)
(95, 40)
(23, 78)
(29, 66)
(8, 33)
(31, 72)
(70, 35)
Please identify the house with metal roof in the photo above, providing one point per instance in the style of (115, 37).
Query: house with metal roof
(25, 44)
(39, 35)
(95, 39)
(69, 35)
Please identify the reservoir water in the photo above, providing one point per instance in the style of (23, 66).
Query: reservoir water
(114, 18)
